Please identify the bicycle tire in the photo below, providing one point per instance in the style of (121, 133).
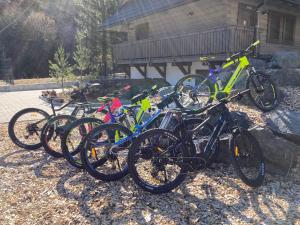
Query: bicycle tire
(12, 124)
(268, 81)
(69, 156)
(85, 154)
(236, 155)
(190, 76)
(48, 132)
(132, 158)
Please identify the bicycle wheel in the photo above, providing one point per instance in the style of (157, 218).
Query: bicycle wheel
(25, 127)
(102, 156)
(247, 157)
(263, 92)
(52, 133)
(156, 161)
(72, 140)
(194, 91)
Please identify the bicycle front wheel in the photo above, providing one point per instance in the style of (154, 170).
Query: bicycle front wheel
(247, 157)
(263, 92)
(72, 140)
(103, 156)
(194, 92)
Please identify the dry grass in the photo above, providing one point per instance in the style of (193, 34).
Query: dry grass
(37, 189)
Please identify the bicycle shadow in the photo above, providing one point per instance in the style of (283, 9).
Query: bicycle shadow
(100, 201)
(124, 202)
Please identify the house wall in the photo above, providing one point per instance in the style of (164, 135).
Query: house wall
(265, 47)
(199, 15)
(173, 72)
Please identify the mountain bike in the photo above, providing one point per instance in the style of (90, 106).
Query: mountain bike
(159, 159)
(197, 90)
(30, 121)
(72, 140)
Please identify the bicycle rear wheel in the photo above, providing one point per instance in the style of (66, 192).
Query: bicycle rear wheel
(155, 161)
(72, 140)
(25, 128)
(247, 157)
(102, 156)
(194, 92)
(52, 133)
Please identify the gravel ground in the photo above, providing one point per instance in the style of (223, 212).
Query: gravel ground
(37, 189)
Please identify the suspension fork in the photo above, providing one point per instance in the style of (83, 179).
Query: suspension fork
(252, 73)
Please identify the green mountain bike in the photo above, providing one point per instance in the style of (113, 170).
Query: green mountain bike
(197, 90)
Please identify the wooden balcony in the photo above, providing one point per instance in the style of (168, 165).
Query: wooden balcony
(219, 41)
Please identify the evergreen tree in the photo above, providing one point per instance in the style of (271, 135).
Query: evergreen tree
(60, 68)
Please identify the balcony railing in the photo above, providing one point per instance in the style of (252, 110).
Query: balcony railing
(213, 41)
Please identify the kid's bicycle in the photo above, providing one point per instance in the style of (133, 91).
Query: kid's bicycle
(197, 90)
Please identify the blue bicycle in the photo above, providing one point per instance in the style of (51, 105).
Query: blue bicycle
(106, 148)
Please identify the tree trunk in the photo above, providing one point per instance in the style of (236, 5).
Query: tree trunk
(104, 41)
(62, 85)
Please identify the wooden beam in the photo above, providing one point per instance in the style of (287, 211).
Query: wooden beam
(142, 68)
(185, 67)
(161, 68)
(127, 70)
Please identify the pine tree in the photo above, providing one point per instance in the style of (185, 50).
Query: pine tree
(81, 57)
(90, 18)
(60, 68)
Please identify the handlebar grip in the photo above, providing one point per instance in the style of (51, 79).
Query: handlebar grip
(256, 43)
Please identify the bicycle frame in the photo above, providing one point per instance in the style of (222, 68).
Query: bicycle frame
(243, 65)
(138, 130)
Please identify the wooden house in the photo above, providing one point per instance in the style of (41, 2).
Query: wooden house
(165, 38)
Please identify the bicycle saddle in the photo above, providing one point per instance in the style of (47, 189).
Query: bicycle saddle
(105, 99)
(139, 98)
(131, 107)
(207, 58)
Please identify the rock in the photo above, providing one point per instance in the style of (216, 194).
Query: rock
(286, 59)
(285, 124)
(280, 154)
(285, 77)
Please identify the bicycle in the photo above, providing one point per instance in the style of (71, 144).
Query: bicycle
(159, 159)
(127, 116)
(34, 120)
(196, 89)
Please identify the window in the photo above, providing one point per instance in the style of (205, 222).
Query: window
(247, 15)
(281, 28)
(142, 31)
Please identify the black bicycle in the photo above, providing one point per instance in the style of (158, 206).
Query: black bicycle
(30, 121)
(160, 159)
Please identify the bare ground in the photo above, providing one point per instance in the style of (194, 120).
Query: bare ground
(37, 189)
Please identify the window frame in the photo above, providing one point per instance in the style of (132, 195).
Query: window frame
(242, 6)
(138, 26)
(282, 31)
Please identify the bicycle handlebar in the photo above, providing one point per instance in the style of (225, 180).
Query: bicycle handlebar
(247, 51)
